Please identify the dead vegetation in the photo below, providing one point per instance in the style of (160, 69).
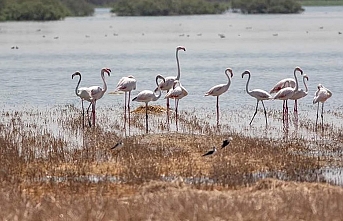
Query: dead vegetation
(52, 169)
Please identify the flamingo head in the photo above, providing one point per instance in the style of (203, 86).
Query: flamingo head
(76, 73)
(181, 48)
(245, 72)
(298, 69)
(160, 77)
(229, 70)
(305, 77)
(107, 70)
(131, 76)
(320, 86)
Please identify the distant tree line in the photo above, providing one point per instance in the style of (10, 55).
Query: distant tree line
(167, 7)
(267, 6)
(43, 10)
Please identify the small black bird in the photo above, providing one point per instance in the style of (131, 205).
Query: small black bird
(226, 142)
(118, 146)
(211, 152)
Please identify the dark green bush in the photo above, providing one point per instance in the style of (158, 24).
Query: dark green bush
(267, 6)
(166, 7)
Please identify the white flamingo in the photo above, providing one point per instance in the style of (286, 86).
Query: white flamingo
(321, 95)
(83, 92)
(300, 93)
(126, 84)
(177, 93)
(220, 89)
(259, 94)
(97, 92)
(169, 81)
(288, 92)
(146, 96)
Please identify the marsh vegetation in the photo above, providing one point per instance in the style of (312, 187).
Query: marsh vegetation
(51, 168)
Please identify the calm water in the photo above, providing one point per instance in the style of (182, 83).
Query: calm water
(38, 73)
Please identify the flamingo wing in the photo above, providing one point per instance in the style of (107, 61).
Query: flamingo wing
(260, 94)
(284, 93)
(144, 96)
(282, 84)
(168, 84)
(217, 90)
(299, 94)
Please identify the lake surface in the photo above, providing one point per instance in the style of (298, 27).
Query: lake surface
(38, 73)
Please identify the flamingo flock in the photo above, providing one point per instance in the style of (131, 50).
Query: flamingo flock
(286, 89)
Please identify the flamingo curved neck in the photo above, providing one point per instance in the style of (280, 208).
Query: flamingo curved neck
(103, 79)
(229, 79)
(306, 89)
(296, 80)
(77, 86)
(156, 97)
(178, 65)
(246, 86)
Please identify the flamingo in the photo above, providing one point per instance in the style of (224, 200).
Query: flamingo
(146, 96)
(169, 81)
(288, 92)
(321, 95)
(83, 92)
(300, 93)
(97, 92)
(177, 93)
(127, 84)
(259, 94)
(220, 89)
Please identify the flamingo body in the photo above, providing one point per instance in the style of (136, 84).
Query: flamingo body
(259, 94)
(147, 96)
(126, 84)
(168, 83)
(220, 89)
(321, 95)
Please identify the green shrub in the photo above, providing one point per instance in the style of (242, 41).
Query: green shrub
(166, 7)
(267, 6)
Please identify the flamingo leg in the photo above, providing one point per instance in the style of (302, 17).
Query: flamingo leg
(317, 115)
(176, 114)
(146, 117)
(168, 108)
(89, 121)
(265, 112)
(296, 106)
(128, 108)
(125, 108)
(283, 111)
(322, 116)
(83, 114)
(254, 113)
(286, 111)
(93, 111)
(217, 110)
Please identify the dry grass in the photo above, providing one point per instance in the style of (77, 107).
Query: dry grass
(52, 169)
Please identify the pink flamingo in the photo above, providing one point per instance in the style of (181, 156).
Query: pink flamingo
(220, 89)
(321, 95)
(169, 81)
(259, 94)
(127, 84)
(83, 92)
(177, 93)
(146, 96)
(288, 92)
(300, 93)
(97, 92)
